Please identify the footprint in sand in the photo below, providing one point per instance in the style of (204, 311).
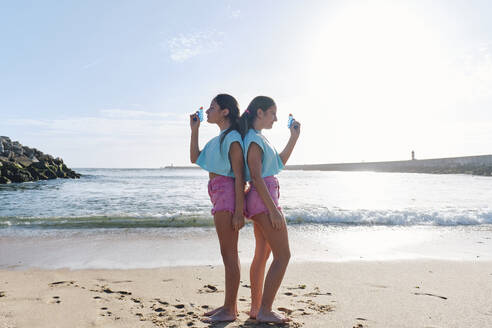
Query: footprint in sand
(121, 281)
(109, 291)
(177, 315)
(319, 308)
(2, 294)
(316, 292)
(427, 294)
(107, 313)
(285, 310)
(141, 316)
(208, 289)
(298, 287)
(56, 300)
(62, 283)
(161, 302)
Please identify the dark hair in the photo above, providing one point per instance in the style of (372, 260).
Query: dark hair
(249, 116)
(227, 101)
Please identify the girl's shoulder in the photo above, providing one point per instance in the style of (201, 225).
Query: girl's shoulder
(234, 135)
(254, 136)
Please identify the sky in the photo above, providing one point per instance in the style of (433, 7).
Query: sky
(112, 83)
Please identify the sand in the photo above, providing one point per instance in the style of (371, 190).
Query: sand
(416, 293)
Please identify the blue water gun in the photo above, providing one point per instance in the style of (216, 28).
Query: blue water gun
(200, 115)
(289, 122)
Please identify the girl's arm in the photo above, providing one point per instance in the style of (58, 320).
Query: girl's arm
(237, 163)
(254, 163)
(194, 150)
(295, 130)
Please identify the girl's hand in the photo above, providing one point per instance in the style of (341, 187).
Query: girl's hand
(295, 129)
(277, 219)
(194, 121)
(237, 221)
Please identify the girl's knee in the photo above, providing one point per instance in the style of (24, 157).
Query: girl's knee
(283, 256)
(229, 255)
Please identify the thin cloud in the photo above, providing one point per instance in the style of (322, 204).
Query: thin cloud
(135, 114)
(104, 126)
(186, 46)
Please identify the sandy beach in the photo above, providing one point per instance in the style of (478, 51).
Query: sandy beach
(416, 293)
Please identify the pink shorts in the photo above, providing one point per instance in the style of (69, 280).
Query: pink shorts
(254, 204)
(222, 194)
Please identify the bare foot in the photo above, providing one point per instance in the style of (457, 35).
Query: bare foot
(210, 313)
(221, 316)
(252, 313)
(271, 317)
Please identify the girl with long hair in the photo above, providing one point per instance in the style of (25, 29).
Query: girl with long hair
(262, 207)
(223, 158)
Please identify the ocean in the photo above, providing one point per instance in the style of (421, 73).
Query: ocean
(159, 217)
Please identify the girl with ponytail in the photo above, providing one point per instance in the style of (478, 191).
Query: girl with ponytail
(223, 158)
(262, 207)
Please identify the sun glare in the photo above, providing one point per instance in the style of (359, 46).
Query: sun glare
(380, 69)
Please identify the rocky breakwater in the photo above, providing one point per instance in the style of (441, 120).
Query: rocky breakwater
(19, 163)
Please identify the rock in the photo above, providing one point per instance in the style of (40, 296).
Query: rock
(20, 176)
(34, 173)
(4, 144)
(19, 163)
(39, 165)
(24, 161)
(50, 174)
(17, 148)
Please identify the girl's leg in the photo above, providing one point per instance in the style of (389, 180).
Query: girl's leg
(228, 239)
(279, 243)
(257, 270)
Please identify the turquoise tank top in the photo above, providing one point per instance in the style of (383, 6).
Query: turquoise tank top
(215, 157)
(271, 163)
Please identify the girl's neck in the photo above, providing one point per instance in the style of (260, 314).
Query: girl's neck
(257, 126)
(224, 125)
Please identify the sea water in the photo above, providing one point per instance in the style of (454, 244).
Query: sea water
(125, 218)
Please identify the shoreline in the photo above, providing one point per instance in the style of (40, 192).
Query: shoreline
(408, 293)
(174, 247)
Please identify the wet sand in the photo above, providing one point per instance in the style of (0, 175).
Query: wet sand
(415, 293)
